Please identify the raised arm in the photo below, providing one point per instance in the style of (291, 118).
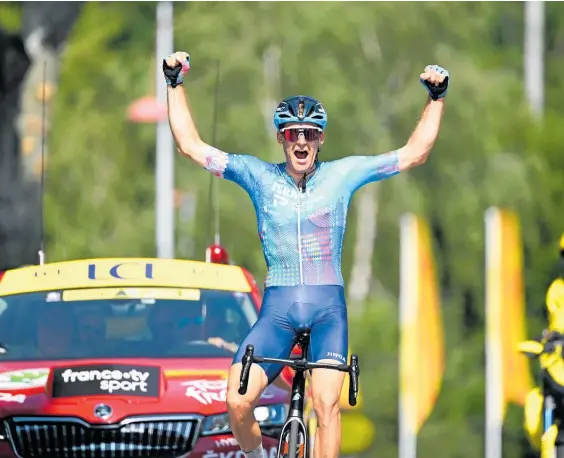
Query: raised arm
(180, 118)
(418, 147)
(358, 171)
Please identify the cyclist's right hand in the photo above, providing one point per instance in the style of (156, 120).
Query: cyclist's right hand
(174, 67)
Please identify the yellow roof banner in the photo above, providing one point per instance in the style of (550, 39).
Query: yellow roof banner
(121, 272)
(92, 294)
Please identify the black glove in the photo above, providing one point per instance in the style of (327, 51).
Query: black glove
(439, 91)
(174, 75)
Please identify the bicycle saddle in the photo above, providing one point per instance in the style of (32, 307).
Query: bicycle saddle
(303, 335)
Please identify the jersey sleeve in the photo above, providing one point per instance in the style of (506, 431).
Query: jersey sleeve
(242, 169)
(360, 170)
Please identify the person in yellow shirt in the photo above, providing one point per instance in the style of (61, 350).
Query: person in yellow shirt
(555, 299)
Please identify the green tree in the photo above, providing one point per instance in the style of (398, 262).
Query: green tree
(362, 60)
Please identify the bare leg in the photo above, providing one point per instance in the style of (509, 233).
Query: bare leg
(326, 386)
(241, 407)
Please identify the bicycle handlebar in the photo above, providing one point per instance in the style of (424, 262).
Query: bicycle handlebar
(302, 365)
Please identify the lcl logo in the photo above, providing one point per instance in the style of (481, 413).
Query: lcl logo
(122, 271)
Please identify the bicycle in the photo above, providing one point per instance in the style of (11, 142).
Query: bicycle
(294, 435)
(544, 406)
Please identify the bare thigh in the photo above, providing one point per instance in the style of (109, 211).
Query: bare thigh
(326, 384)
(258, 381)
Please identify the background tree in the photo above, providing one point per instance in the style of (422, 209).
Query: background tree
(362, 60)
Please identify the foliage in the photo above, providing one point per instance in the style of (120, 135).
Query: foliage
(362, 60)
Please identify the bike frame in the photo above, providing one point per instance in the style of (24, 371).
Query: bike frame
(295, 419)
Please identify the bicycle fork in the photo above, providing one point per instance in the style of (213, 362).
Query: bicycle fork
(289, 446)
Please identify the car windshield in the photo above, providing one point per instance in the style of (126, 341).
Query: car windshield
(124, 323)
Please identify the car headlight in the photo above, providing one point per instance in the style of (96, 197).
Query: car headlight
(273, 415)
(216, 424)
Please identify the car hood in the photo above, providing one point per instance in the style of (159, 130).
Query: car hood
(107, 391)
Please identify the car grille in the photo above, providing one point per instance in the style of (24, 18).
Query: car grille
(57, 437)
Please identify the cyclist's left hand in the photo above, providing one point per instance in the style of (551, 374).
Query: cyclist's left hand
(435, 79)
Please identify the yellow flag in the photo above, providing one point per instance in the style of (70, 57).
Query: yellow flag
(506, 304)
(421, 326)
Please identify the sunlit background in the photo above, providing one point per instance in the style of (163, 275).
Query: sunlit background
(500, 146)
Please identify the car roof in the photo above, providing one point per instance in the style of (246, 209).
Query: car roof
(117, 272)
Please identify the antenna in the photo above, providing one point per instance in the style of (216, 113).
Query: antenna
(41, 252)
(213, 189)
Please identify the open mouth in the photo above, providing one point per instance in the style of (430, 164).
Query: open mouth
(301, 154)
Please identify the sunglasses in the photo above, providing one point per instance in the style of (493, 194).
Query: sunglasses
(310, 134)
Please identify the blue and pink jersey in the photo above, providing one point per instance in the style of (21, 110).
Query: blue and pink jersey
(302, 232)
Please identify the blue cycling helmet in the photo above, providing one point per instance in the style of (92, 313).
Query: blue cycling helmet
(300, 108)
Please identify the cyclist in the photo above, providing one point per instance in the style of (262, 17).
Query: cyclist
(301, 207)
(555, 297)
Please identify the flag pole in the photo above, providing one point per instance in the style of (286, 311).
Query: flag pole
(409, 291)
(494, 374)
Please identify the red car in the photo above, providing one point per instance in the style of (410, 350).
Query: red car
(126, 358)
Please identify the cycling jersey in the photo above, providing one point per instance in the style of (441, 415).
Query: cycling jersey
(302, 232)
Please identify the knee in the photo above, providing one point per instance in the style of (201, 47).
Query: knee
(326, 406)
(238, 407)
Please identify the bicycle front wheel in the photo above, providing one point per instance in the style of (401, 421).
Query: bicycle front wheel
(294, 440)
